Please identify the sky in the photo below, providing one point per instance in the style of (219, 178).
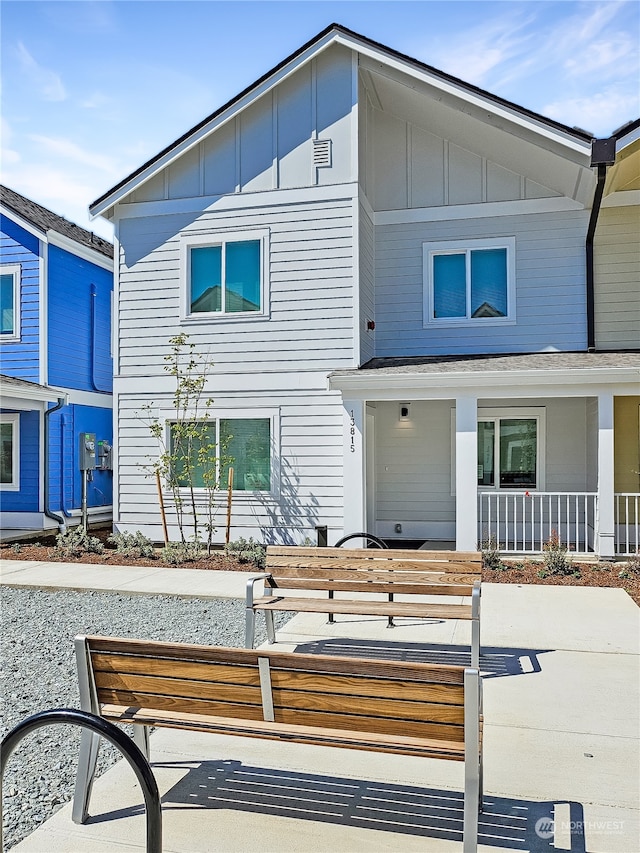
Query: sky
(91, 89)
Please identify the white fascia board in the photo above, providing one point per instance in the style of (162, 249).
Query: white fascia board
(19, 220)
(238, 106)
(510, 114)
(84, 252)
(622, 198)
(481, 210)
(628, 139)
(16, 394)
(571, 383)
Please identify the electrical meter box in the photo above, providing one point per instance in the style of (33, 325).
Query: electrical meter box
(87, 453)
(104, 462)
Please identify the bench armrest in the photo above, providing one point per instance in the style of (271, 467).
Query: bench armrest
(475, 600)
(250, 582)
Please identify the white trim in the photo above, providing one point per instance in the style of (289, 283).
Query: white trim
(628, 139)
(446, 247)
(622, 198)
(222, 237)
(217, 413)
(481, 210)
(81, 251)
(36, 394)
(43, 312)
(13, 419)
(90, 398)
(21, 222)
(15, 271)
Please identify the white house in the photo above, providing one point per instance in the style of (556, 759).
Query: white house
(388, 268)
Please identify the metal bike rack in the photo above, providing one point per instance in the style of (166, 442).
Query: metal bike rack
(113, 734)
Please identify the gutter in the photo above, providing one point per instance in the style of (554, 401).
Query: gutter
(603, 154)
(62, 401)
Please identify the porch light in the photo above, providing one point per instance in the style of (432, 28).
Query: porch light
(404, 412)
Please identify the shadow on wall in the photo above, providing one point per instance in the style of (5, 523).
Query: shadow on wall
(289, 512)
(505, 823)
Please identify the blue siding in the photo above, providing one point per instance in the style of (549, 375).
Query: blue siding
(17, 246)
(26, 500)
(65, 478)
(79, 323)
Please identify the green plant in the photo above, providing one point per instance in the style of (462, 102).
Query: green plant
(624, 574)
(491, 553)
(16, 547)
(633, 566)
(177, 553)
(76, 541)
(247, 551)
(555, 556)
(542, 573)
(132, 544)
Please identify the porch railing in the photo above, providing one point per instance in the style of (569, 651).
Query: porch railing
(523, 522)
(627, 520)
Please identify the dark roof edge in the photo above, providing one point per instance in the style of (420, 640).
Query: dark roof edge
(630, 126)
(576, 132)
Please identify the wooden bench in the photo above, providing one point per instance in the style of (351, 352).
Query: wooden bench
(383, 574)
(424, 710)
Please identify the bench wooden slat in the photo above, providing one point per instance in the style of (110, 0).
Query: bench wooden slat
(452, 694)
(361, 564)
(374, 553)
(364, 608)
(238, 674)
(184, 704)
(399, 744)
(177, 687)
(358, 584)
(373, 574)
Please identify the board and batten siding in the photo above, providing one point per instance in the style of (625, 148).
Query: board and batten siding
(549, 289)
(21, 358)
(307, 464)
(617, 278)
(310, 320)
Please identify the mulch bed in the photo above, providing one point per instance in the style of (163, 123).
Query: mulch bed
(515, 572)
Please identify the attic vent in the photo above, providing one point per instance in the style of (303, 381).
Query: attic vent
(321, 152)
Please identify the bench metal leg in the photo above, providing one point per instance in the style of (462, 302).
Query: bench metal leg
(475, 643)
(472, 761)
(141, 740)
(268, 621)
(89, 746)
(390, 618)
(331, 618)
(250, 628)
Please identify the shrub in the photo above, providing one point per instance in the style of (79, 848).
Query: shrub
(633, 566)
(491, 553)
(247, 551)
(132, 544)
(182, 552)
(555, 556)
(75, 542)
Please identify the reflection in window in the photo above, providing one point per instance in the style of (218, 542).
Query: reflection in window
(514, 443)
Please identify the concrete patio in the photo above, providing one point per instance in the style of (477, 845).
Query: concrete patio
(562, 740)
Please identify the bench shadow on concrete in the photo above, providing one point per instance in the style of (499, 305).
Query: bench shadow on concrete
(495, 661)
(427, 812)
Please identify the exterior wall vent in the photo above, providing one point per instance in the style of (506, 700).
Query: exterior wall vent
(321, 152)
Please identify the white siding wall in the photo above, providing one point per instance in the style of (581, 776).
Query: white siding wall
(367, 284)
(550, 286)
(617, 278)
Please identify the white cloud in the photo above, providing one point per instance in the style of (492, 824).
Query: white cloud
(8, 155)
(600, 113)
(68, 150)
(48, 83)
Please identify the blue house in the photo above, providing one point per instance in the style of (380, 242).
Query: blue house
(55, 369)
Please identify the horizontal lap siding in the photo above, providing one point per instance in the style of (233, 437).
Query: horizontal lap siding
(21, 358)
(550, 286)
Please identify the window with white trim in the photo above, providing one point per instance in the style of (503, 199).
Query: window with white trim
(10, 452)
(204, 457)
(510, 446)
(9, 302)
(469, 282)
(225, 275)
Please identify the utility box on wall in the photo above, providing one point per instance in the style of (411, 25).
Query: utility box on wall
(87, 451)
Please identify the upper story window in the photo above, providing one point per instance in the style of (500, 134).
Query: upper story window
(10, 302)
(225, 275)
(10, 452)
(469, 283)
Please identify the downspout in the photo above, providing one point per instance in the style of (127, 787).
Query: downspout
(603, 154)
(47, 509)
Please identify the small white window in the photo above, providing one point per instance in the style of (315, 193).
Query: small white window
(10, 452)
(510, 448)
(469, 283)
(225, 276)
(10, 302)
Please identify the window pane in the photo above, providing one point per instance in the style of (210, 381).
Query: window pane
(246, 445)
(6, 305)
(242, 276)
(489, 283)
(449, 286)
(518, 451)
(193, 449)
(6, 453)
(206, 279)
(486, 444)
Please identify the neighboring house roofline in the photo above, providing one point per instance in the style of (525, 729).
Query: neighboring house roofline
(338, 34)
(48, 225)
(22, 389)
(627, 134)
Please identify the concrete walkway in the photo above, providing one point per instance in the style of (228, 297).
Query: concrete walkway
(562, 718)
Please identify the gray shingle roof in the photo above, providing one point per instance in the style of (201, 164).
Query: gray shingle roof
(45, 220)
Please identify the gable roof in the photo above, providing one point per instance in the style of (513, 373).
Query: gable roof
(334, 33)
(45, 220)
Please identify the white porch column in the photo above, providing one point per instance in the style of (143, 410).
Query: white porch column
(466, 473)
(605, 539)
(354, 466)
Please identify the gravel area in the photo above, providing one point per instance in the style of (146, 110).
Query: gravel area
(39, 673)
